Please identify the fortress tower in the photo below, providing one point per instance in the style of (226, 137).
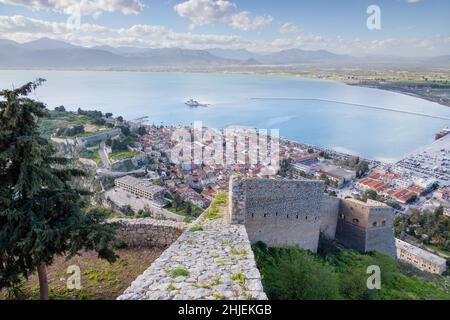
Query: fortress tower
(366, 226)
(278, 212)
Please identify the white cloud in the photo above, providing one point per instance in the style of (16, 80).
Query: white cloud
(22, 29)
(243, 21)
(289, 28)
(204, 12)
(82, 7)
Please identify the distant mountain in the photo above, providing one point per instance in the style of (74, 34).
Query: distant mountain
(121, 50)
(8, 42)
(9, 49)
(234, 54)
(298, 56)
(250, 62)
(49, 53)
(62, 58)
(179, 57)
(441, 60)
(47, 44)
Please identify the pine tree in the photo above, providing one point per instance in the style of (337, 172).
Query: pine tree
(42, 201)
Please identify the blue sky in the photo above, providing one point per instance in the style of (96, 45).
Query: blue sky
(408, 27)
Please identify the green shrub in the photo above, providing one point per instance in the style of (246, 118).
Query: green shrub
(239, 278)
(196, 228)
(212, 214)
(120, 245)
(18, 291)
(296, 274)
(179, 272)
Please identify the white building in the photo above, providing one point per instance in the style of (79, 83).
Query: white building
(423, 183)
(421, 259)
(140, 188)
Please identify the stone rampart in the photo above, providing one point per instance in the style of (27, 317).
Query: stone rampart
(328, 215)
(211, 260)
(145, 233)
(279, 213)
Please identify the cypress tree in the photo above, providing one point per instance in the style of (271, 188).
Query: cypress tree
(43, 198)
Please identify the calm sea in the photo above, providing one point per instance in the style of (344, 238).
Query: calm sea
(372, 133)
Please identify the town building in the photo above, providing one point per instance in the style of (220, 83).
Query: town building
(421, 259)
(404, 196)
(140, 188)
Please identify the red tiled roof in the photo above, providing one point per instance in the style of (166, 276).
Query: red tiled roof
(381, 186)
(391, 176)
(402, 195)
(374, 184)
(416, 189)
(308, 157)
(332, 175)
(364, 181)
(375, 175)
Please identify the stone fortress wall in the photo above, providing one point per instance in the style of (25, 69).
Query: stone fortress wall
(147, 233)
(217, 263)
(215, 255)
(293, 213)
(278, 212)
(100, 136)
(329, 206)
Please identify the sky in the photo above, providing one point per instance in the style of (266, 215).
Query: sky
(397, 27)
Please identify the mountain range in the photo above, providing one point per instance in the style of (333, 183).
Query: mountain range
(49, 53)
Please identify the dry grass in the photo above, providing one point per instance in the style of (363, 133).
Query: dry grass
(100, 280)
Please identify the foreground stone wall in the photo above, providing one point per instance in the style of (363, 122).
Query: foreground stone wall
(210, 260)
(145, 233)
(279, 213)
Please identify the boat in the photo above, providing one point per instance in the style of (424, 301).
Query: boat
(442, 133)
(194, 103)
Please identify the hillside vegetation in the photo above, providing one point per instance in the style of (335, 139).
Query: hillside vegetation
(339, 274)
(432, 229)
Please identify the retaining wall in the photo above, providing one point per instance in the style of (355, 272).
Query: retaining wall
(143, 233)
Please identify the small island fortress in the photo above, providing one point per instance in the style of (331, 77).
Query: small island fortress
(285, 213)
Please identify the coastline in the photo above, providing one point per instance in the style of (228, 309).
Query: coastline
(342, 151)
(263, 71)
(415, 95)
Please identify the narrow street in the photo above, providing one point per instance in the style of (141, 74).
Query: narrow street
(104, 156)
